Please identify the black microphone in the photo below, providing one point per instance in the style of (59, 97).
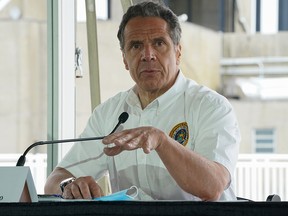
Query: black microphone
(21, 161)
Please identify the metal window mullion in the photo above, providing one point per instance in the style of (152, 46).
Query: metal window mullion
(61, 76)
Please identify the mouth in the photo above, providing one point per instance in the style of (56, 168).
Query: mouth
(149, 71)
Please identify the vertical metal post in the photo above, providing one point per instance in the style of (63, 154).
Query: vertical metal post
(52, 114)
(61, 76)
(93, 52)
(126, 4)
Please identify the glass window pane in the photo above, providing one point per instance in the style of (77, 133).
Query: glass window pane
(23, 98)
(264, 140)
(264, 150)
(264, 131)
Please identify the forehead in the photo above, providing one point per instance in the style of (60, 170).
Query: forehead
(142, 26)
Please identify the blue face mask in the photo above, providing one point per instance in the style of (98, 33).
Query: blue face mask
(128, 194)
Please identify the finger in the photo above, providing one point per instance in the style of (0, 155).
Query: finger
(67, 194)
(147, 150)
(76, 191)
(84, 191)
(96, 190)
(79, 189)
(112, 151)
(129, 141)
(122, 137)
(110, 138)
(133, 144)
(70, 190)
(132, 139)
(147, 145)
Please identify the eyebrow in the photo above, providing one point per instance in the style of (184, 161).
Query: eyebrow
(135, 42)
(141, 41)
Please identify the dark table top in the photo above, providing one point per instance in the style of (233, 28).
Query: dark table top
(145, 208)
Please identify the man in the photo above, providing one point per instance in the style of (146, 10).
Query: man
(181, 139)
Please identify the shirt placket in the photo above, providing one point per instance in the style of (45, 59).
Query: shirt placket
(145, 120)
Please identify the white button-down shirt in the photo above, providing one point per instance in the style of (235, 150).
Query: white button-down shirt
(195, 116)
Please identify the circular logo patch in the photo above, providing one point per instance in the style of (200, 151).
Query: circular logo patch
(180, 133)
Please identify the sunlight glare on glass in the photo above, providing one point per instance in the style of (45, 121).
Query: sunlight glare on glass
(269, 16)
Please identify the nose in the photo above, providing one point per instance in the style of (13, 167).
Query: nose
(148, 53)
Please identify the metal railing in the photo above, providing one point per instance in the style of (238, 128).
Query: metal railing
(255, 66)
(257, 175)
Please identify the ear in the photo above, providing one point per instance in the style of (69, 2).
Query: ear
(178, 54)
(124, 61)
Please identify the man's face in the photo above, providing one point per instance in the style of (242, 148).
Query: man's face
(150, 55)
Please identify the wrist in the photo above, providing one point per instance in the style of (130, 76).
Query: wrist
(162, 139)
(65, 182)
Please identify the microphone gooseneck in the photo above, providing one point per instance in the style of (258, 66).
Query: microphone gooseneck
(21, 161)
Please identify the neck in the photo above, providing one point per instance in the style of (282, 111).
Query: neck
(146, 99)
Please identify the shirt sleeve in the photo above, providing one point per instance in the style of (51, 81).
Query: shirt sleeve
(87, 158)
(217, 135)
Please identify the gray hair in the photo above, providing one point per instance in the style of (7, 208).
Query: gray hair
(151, 9)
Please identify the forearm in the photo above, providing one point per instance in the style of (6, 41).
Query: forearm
(54, 179)
(192, 172)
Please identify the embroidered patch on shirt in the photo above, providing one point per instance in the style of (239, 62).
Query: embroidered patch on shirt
(180, 133)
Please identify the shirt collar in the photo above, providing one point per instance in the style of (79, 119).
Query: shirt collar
(164, 100)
